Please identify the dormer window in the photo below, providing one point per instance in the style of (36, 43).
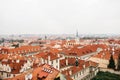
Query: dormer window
(57, 61)
(51, 62)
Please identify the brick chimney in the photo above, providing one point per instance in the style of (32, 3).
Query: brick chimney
(49, 57)
(70, 72)
(58, 55)
(84, 65)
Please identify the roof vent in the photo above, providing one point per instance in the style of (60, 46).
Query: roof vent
(47, 70)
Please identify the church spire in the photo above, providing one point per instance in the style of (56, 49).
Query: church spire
(76, 33)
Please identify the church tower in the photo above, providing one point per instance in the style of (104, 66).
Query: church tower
(76, 33)
(77, 37)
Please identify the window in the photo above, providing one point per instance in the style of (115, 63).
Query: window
(56, 66)
(7, 75)
(1, 73)
(43, 61)
(51, 62)
(80, 73)
(77, 75)
(47, 62)
(57, 61)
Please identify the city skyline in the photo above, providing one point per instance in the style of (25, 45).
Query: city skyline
(59, 17)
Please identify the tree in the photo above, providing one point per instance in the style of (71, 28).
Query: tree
(76, 62)
(106, 76)
(3, 40)
(118, 63)
(58, 78)
(111, 63)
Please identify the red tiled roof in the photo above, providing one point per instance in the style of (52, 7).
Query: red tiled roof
(76, 51)
(71, 62)
(68, 78)
(74, 69)
(23, 49)
(43, 74)
(105, 55)
(45, 55)
(15, 67)
(93, 64)
(3, 56)
(40, 72)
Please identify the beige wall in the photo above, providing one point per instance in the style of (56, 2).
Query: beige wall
(55, 63)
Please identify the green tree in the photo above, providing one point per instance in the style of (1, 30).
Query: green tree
(106, 76)
(76, 62)
(111, 63)
(118, 63)
(58, 78)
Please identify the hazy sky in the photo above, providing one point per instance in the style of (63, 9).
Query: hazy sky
(59, 16)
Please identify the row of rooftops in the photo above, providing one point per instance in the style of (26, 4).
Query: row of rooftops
(44, 72)
(76, 51)
(10, 58)
(105, 54)
(15, 65)
(46, 55)
(73, 69)
(51, 52)
(48, 71)
(14, 54)
(20, 50)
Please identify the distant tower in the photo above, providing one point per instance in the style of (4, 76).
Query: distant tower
(76, 33)
(77, 37)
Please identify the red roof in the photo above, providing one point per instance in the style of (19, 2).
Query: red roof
(23, 49)
(45, 55)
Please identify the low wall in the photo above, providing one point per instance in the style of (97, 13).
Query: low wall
(109, 70)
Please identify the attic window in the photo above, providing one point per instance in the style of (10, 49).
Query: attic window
(75, 54)
(13, 68)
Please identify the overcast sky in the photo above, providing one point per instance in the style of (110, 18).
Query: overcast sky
(59, 16)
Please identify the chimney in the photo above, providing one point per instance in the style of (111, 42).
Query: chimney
(66, 61)
(84, 65)
(49, 57)
(89, 63)
(58, 55)
(70, 72)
